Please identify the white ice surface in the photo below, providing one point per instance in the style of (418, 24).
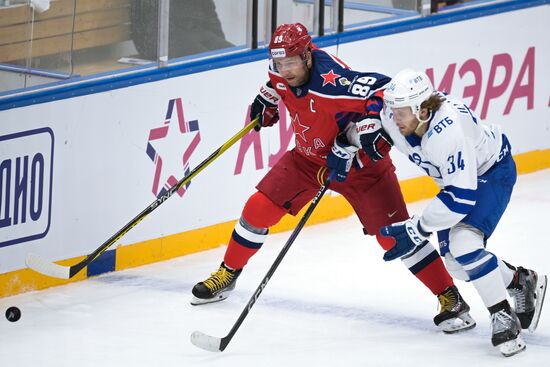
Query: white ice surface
(332, 302)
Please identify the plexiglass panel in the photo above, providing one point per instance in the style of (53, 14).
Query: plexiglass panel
(35, 42)
(50, 40)
(233, 17)
(362, 13)
(290, 11)
(203, 26)
(103, 33)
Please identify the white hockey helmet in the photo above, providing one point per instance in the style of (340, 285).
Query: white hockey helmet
(408, 88)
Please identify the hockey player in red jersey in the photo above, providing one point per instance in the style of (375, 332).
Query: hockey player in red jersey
(324, 99)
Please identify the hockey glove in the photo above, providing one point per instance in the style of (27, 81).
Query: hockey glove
(340, 158)
(265, 106)
(375, 141)
(407, 235)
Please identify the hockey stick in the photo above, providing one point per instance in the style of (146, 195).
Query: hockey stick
(51, 269)
(215, 344)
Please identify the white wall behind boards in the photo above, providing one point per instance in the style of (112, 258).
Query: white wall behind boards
(113, 151)
(499, 65)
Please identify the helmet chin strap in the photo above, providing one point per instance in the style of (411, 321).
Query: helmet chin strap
(421, 122)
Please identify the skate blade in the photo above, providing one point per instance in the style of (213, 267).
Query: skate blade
(512, 347)
(461, 323)
(542, 282)
(203, 301)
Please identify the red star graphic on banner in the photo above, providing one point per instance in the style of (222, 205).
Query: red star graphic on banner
(330, 78)
(300, 129)
(162, 140)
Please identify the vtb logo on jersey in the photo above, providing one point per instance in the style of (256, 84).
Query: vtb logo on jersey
(164, 148)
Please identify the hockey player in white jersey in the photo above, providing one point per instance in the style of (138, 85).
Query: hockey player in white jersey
(473, 166)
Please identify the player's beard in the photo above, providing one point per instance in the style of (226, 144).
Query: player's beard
(298, 81)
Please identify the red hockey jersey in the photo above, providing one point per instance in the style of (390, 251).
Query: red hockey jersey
(334, 96)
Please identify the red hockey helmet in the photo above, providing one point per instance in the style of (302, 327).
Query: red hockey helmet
(290, 40)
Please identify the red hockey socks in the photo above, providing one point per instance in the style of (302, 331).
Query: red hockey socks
(435, 276)
(425, 264)
(258, 215)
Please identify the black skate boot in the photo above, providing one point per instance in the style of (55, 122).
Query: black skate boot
(454, 315)
(527, 290)
(215, 288)
(505, 328)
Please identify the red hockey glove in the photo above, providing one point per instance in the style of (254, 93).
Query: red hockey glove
(375, 141)
(265, 106)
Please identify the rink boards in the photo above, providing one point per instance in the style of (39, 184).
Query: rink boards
(74, 170)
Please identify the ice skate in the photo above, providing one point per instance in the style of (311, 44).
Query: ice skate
(215, 288)
(506, 332)
(454, 316)
(528, 290)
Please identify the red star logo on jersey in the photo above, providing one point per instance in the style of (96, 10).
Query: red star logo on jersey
(330, 78)
(299, 129)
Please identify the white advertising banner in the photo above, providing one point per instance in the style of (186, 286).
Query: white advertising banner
(74, 171)
(499, 65)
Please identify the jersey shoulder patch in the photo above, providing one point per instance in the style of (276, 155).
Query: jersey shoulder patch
(330, 77)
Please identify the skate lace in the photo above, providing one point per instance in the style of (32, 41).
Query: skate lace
(219, 279)
(501, 321)
(519, 299)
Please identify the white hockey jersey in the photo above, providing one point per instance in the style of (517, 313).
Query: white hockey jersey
(455, 150)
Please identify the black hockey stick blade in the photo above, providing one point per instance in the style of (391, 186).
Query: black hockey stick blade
(214, 344)
(53, 270)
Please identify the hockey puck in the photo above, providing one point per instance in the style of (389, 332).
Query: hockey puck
(13, 314)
